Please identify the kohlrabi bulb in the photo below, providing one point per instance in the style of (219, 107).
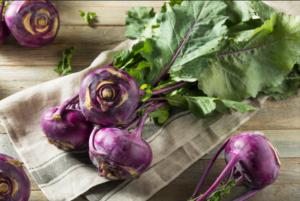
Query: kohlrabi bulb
(14, 183)
(33, 23)
(108, 96)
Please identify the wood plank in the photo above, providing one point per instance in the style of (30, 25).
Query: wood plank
(286, 142)
(109, 4)
(273, 192)
(12, 82)
(290, 102)
(107, 13)
(273, 119)
(84, 35)
(15, 55)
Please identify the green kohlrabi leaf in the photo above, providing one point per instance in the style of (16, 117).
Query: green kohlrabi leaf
(261, 9)
(238, 11)
(87, 16)
(63, 66)
(126, 58)
(143, 23)
(176, 99)
(243, 30)
(298, 62)
(137, 76)
(139, 23)
(287, 88)
(245, 68)
(203, 107)
(148, 91)
(189, 31)
(161, 113)
(162, 85)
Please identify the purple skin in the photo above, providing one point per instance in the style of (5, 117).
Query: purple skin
(14, 183)
(33, 23)
(4, 31)
(119, 154)
(67, 129)
(108, 96)
(252, 158)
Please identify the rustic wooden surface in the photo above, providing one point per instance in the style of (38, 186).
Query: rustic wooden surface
(24, 67)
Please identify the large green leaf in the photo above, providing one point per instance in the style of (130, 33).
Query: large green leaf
(243, 30)
(143, 23)
(238, 11)
(203, 107)
(261, 9)
(139, 22)
(287, 88)
(187, 32)
(125, 58)
(244, 68)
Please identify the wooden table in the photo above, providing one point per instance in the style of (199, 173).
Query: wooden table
(24, 67)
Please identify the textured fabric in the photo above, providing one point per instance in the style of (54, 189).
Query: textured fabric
(176, 144)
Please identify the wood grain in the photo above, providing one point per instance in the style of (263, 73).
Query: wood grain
(107, 13)
(84, 35)
(15, 55)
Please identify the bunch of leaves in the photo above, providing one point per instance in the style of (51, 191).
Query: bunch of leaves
(217, 194)
(219, 46)
(87, 16)
(64, 66)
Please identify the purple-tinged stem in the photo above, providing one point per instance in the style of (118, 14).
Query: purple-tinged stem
(142, 92)
(239, 180)
(132, 123)
(2, 8)
(61, 109)
(250, 193)
(155, 99)
(229, 166)
(197, 190)
(159, 91)
(139, 128)
(133, 116)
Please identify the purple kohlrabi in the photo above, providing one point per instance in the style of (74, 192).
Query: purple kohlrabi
(4, 31)
(108, 96)
(119, 154)
(251, 158)
(33, 23)
(14, 183)
(67, 129)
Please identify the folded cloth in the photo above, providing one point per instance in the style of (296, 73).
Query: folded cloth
(61, 175)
